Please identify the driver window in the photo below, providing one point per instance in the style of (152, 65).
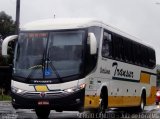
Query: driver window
(107, 45)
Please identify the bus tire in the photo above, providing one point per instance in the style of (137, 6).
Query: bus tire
(143, 102)
(103, 101)
(59, 110)
(157, 103)
(42, 113)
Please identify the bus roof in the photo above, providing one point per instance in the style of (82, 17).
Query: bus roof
(74, 23)
(56, 24)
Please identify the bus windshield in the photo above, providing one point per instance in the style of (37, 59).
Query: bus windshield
(38, 52)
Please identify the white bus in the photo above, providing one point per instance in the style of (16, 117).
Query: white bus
(75, 64)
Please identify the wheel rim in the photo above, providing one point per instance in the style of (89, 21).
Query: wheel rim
(102, 106)
(142, 104)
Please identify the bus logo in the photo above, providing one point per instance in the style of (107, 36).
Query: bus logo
(122, 72)
(42, 94)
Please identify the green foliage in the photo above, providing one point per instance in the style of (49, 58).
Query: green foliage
(7, 25)
(5, 98)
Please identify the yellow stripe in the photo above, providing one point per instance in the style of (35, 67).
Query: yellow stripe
(91, 101)
(145, 78)
(113, 101)
(42, 88)
(123, 101)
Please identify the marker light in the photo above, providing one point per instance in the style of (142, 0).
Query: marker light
(82, 86)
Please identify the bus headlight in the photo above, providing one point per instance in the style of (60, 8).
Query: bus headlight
(76, 88)
(18, 91)
(70, 90)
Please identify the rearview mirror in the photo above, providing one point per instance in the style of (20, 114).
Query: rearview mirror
(5, 44)
(93, 43)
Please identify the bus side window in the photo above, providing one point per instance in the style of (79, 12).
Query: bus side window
(118, 50)
(133, 52)
(145, 56)
(152, 58)
(118, 47)
(115, 44)
(141, 51)
(115, 47)
(148, 57)
(125, 51)
(129, 52)
(107, 45)
(121, 49)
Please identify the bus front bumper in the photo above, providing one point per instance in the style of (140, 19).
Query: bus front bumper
(69, 101)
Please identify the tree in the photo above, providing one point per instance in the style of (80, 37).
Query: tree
(7, 25)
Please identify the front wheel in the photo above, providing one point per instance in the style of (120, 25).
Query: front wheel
(42, 113)
(103, 105)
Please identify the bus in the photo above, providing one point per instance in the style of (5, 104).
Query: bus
(80, 64)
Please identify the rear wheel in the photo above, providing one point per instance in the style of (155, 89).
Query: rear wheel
(142, 103)
(42, 113)
(157, 103)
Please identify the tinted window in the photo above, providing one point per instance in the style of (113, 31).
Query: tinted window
(107, 45)
(123, 49)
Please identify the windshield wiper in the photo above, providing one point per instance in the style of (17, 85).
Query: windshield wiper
(44, 64)
(53, 67)
(43, 60)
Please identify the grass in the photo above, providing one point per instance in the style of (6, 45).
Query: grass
(5, 98)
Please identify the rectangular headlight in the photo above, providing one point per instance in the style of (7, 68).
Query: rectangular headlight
(76, 88)
(18, 91)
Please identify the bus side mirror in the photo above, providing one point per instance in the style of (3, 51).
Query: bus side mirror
(93, 43)
(5, 44)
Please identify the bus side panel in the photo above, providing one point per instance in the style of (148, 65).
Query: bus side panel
(152, 96)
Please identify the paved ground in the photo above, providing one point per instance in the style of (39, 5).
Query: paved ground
(7, 112)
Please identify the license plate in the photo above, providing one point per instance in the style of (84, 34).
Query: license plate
(43, 102)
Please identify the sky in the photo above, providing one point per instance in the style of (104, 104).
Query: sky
(140, 18)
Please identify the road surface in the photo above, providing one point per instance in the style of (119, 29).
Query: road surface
(8, 112)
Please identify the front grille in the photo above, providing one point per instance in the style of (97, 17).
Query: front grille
(50, 94)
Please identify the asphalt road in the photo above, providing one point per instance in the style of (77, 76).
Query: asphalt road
(8, 112)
